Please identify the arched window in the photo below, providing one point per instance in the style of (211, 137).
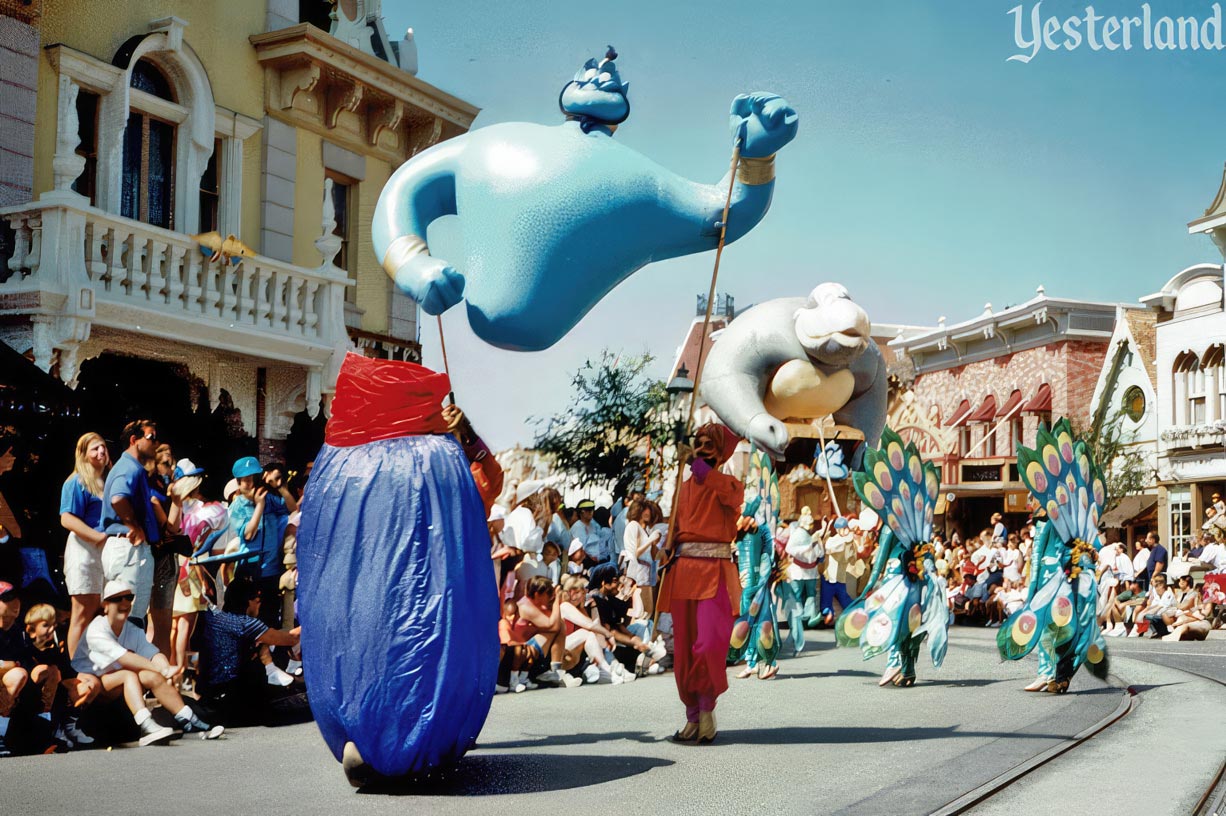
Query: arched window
(1189, 390)
(1214, 365)
(149, 147)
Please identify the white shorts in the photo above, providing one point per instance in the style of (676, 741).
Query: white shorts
(82, 567)
(132, 564)
(576, 639)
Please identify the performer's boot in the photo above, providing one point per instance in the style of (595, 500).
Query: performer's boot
(356, 770)
(706, 727)
(687, 733)
(1038, 685)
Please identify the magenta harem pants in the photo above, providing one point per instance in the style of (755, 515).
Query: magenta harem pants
(701, 633)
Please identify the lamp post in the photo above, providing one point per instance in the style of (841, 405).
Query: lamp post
(678, 388)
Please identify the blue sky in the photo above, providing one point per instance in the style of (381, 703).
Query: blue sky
(929, 176)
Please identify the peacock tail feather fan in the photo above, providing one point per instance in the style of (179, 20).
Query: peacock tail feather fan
(897, 483)
(1066, 481)
(755, 632)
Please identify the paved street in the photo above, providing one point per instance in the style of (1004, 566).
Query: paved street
(821, 738)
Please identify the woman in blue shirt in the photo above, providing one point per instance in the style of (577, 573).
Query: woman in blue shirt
(80, 512)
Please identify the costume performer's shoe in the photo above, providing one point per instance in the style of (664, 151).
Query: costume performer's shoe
(356, 770)
(706, 727)
(1057, 686)
(904, 680)
(767, 672)
(744, 673)
(890, 676)
(688, 733)
(1037, 685)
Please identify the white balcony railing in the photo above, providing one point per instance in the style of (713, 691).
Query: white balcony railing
(135, 264)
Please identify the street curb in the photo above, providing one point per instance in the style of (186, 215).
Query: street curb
(973, 797)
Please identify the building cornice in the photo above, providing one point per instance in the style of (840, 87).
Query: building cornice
(315, 81)
(1038, 322)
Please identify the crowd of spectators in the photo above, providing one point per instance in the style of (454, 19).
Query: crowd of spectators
(171, 610)
(179, 613)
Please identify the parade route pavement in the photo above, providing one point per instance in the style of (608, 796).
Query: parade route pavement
(820, 738)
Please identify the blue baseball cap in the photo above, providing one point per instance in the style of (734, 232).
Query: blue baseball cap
(247, 466)
(840, 523)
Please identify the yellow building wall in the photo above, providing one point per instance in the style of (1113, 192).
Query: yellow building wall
(216, 32)
(374, 286)
(308, 199)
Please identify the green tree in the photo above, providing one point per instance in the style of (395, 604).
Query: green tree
(613, 421)
(1125, 470)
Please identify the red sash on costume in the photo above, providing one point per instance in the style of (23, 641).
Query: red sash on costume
(385, 399)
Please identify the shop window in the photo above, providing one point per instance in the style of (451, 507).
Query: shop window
(1179, 506)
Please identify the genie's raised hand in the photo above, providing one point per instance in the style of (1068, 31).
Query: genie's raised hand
(764, 122)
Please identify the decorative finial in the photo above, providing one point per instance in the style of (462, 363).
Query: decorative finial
(941, 321)
(987, 307)
(1040, 291)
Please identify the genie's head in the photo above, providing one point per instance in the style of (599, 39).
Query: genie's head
(832, 328)
(596, 96)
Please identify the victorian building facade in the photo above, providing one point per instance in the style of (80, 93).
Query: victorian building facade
(193, 184)
(972, 391)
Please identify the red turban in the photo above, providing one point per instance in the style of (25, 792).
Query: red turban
(725, 440)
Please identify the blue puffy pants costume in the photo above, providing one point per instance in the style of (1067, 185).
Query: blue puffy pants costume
(396, 587)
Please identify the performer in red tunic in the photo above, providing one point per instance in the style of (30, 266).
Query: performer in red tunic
(701, 588)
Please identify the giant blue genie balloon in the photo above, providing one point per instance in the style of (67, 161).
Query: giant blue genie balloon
(553, 217)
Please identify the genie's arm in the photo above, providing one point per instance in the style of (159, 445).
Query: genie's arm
(761, 123)
(419, 192)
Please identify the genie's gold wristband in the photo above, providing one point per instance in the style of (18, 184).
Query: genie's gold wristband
(400, 252)
(753, 171)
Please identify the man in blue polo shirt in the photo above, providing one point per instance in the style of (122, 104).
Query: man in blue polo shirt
(128, 517)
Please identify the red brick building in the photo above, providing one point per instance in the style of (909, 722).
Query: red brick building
(979, 388)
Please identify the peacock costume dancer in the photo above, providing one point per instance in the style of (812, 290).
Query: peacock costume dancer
(904, 601)
(1060, 613)
(755, 635)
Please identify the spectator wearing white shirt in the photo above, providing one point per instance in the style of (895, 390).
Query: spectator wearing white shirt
(806, 553)
(123, 659)
(639, 548)
(1159, 600)
(1139, 562)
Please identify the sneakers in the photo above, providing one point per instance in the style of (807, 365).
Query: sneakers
(1134, 632)
(657, 650)
(198, 726)
(610, 676)
(294, 667)
(500, 689)
(1118, 630)
(154, 734)
(627, 675)
(520, 682)
(591, 674)
(655, 668)
(277, 677)
(567, 680)
(549, 676)
(71, 734)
